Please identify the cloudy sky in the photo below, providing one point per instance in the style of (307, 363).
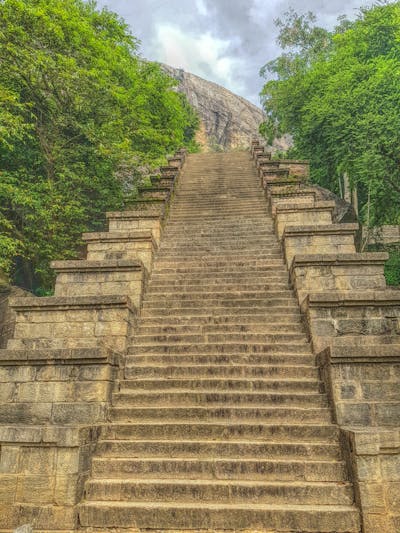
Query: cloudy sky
(225, 41)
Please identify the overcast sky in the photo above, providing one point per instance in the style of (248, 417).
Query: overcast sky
(225, 41)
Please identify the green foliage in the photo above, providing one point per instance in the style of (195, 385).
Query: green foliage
(338, 95)
(392, 267)
(79, 111)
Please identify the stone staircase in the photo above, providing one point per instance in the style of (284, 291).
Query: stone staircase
(221, 421)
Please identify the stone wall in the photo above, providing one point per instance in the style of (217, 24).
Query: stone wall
(382, 235)
(353, 322)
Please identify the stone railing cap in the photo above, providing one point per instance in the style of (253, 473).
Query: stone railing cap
(374, 440)
(61, 435)
(148, 201)
(276, 171)
(290, 180)
(169, 168)
(154, 189)
(305, 191)
(131, 215)
(325, 228)
(318, 205)
(353, 297)
(146, 235)
(350, 353)
(363, 258)
(294, 161)
(82, 265)
(74, 302)
(72, 356)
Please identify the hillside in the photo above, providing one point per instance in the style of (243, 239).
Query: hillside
(227, 120)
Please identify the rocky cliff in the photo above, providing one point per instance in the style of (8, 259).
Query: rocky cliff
(228, 121)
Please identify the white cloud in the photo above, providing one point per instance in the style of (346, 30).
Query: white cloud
(204, 55)
(225, 41)
(202, 8)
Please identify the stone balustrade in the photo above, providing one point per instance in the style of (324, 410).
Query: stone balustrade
(122, 245)
(353, 322)
(91, 278)
(318, 239)
(63, 363)
(374, 461)
(340, 272)
(317, 213)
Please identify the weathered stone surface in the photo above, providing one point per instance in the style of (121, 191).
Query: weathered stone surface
(72, 322)
(355, 317)
(318, 213)
(382, 235)
(128, 221)
(371, 452)
(318, 239)
(342, 272)
(91, 278)
(121, 246)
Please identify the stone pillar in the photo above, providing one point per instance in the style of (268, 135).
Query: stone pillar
(320, 239)
(341, 272)
(317, 214)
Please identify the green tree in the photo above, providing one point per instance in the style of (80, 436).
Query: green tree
(338, 94)
(77, 105)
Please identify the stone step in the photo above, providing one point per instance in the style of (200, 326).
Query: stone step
(219, 359)
(205, 338)
(204, 491)
(205, 286)
(267, 250)
(229, 348)
(217, 337)
(221, 449)
(227, 412)
(221, 210)
(235, 517)
(222, 280)
(218, 256)
(222, 259)
(264, 321)
(219, 309)
(221, 371)
(183, 328)
(189, 251)
(187, 397)
(209, 267)
(217, 276)
(203, 468)
(255, 203)
(220, 315)
(253, 236)
(205, 244)
(244, 292)
(233, 228)
(293, 385)
(219, 430)
(188, 205)
(226, 303)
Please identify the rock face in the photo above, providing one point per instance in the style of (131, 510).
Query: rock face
(228, 121)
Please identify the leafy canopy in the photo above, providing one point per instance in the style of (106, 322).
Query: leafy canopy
(77, 108)
(338, 94)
